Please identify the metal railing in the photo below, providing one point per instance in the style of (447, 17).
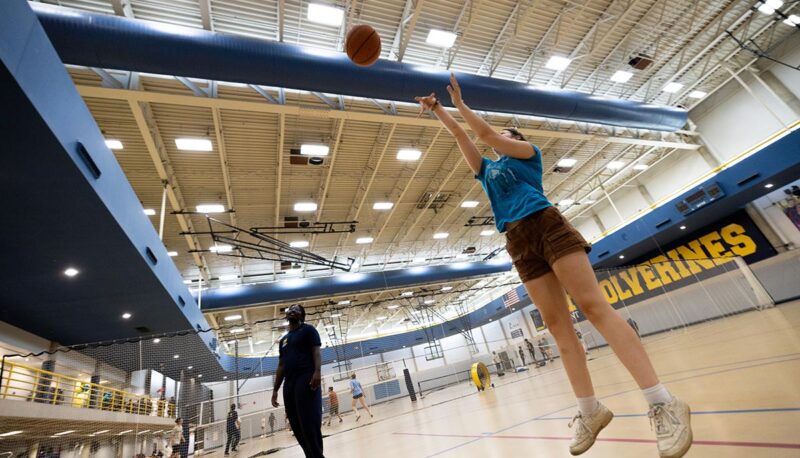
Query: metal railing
(26, 383)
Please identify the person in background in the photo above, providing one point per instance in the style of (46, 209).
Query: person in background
(299, 365)
(333, 405)
(358, 395)
(531, 350)
(635, 327)
(583, 342)
(498, 363)
(272, 423)
(521, 355)
(231, 429)
(176, 439)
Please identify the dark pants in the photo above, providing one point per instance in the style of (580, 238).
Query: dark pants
(233, 440)
(304, 409)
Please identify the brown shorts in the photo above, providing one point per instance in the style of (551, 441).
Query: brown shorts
(537, 240)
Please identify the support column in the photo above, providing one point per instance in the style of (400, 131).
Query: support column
(778, 90)
(763, 299)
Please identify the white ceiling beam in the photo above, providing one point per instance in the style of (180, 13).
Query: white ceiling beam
(322, 193)
(205, 15)
(243, 105)
(407, 33)
(281, 16)
(226, 177)
(123, 8)
(158, 154)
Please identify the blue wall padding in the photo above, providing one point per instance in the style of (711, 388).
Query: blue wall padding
(111, 42)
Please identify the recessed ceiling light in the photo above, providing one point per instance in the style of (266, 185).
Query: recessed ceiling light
(558, 63)
(409, 154)
(640, 167)
(220, 248)
(176, 356)
(298, 244)
(210, 208)
(126, 316)
(615, 165)
(382, 205)
(314, 150)
(172, 254)
(469, 204)
(305, 207)
(193, 144)
(233, 317)
(393, 306)
(683, 228)
(769, 185)
(149, 212)
(697, 94)
(113, 144)
(622, 256)
(156, 340)
(407, 293)
(441, 38)
(71, 272)
(325, 15)
(363, 240)
(566, 202)
(189, 367)
(487, 233)
(621, 76)
(226, 277)
(441, 235)
(199, 375)
(224, 377)
(567, 162)
(672, 87)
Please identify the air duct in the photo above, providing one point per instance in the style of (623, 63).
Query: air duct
(111, 42)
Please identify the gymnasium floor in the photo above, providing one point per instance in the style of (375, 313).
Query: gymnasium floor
(740, 375)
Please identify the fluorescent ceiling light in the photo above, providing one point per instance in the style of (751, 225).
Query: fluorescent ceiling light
(769, 185)
(210, 208)
(792, 20)
(462, 256)
(336, 315)
(221, 248)
(364, 240)
(126, 316)
(487, 233)
(330, 325)
(187, 282)
(558, 63)
(260, 342)
(199, 375)
(566, 202)
(697, 94)
(683, 227)
(429, 301)
(64, 432)
(314, 150)
(305, 207)
(149, 212)
(299, 244)
(233, 317)
(190, 367)
(380, 317)
(615, 165)
(587, 202)
(407, 293)
(142, 432)
(237, 330)
(382, 205)
(640, 167)
(71, 272)
(446, 288)
(172, 254)
(672, 87)
(226, 277)
(621, 76)
(469, 204)
(441, 38)
(113, 144)
(774, 3)
(125, 432)
(176, 356)
(156, 340)
(567, 162)
(10, 433)
(409, 154)
(622, 256)
(393, 306)
(418, 260)
(344, 302)
(325, 15)
(193, 144)
(440, 235)
(101, 432)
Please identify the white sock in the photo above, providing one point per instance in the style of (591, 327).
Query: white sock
(657, 394)
(587, 405)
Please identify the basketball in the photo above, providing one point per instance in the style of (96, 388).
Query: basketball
(363, 45)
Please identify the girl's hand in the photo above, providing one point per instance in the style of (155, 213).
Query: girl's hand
(454, 90)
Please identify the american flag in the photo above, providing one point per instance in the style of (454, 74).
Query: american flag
(510, 298)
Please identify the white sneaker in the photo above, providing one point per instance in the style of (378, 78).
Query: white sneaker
(673, 426)
(587, 428)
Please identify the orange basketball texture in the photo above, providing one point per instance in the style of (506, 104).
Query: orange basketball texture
(363, 45)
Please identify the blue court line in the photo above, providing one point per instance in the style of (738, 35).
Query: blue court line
(702, 412)
(542, 417)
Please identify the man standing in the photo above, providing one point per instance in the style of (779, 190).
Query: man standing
(521, 354)
(231, 429)
(529, 344)
(299, 366)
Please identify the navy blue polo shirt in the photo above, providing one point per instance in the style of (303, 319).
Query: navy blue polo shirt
(296, 350)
